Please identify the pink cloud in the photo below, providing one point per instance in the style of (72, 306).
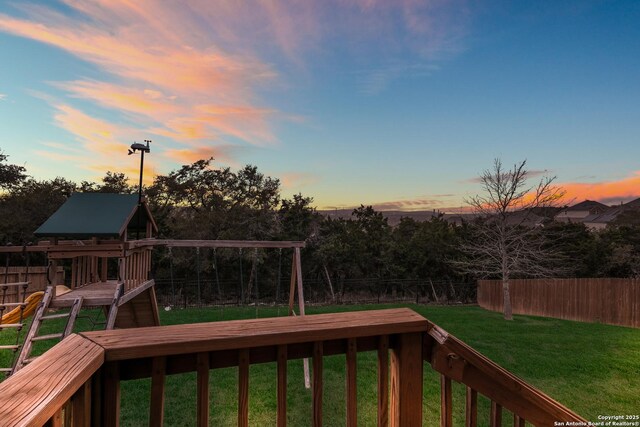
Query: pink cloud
(297, 180)
(192, 71)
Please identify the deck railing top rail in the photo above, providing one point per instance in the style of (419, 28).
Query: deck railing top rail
(126, 344)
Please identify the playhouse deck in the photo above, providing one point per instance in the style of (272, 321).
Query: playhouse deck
(99, 293)
(136, 307)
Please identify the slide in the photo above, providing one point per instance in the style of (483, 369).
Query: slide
(31, 302)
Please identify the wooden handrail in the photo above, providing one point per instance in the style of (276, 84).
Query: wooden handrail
(39, 391)
(79, 379)
(456, 360)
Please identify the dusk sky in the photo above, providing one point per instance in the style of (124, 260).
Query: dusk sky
(395, 103)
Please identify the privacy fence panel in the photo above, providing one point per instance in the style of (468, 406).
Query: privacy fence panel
(612, 301)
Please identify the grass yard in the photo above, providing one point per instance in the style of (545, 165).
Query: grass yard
(593, 369)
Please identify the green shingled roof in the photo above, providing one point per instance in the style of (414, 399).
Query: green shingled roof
(94, 215)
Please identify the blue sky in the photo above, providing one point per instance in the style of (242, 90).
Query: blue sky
(399, 104)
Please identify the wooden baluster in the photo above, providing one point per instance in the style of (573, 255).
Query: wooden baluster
(67, 414)
(496, 415)
(471, 408)
(55, 420)
(383, 381)
(282, 386)
(446, 416)
(156, 408)
(81, 406)
(111, 395)
(317, 384)
(351, 383)
(243, 388)
(517, 421)
(74, 272)
(406, 381)
(103, 269)
(203, 389)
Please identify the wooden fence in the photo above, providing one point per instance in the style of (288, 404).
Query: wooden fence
(36, 276)
(612, 301)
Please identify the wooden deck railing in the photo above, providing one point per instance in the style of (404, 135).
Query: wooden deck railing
(78, 381)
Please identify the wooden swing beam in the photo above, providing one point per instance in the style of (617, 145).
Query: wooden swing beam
(252, 244)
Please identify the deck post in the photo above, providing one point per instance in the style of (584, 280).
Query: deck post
(111, 395)
(406, 381)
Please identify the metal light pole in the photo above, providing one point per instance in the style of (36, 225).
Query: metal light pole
(143, 149)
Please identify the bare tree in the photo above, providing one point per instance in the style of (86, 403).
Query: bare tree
(506, 240)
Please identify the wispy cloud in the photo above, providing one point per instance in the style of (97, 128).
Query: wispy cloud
(192, 72)
(3, 96)
(428, 203)
(295, 181)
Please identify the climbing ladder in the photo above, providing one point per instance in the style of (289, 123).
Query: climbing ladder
(42, 315)
(38, 319)
(5, 308)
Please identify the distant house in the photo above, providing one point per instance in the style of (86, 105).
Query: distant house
(580, 212)
(624, 214)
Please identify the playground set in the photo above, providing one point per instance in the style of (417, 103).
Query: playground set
(105, 241)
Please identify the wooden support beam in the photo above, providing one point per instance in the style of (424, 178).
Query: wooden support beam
(383, 381)
(496, 415)
(111, 395)
(299, 281)
(202, 366)
(156, 407)
(251, 244)
(471, 408)
(406, 381)
(446, 410)
(81, 406)
(351, 383)
(282, 386)
(292, 284)
(243, 388)
(317, 383)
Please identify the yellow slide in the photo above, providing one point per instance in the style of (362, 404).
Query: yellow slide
(31, 302)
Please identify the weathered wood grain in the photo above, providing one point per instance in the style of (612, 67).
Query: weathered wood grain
(406, 381)
(383, 381)
(35, 393)
(237, 334)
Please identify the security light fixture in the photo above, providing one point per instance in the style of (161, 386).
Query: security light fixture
(143, 149)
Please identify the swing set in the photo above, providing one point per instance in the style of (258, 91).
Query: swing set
(295, 283)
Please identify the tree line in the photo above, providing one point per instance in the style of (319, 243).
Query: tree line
(199, 201)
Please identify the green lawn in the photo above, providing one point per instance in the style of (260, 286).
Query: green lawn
(593, 369)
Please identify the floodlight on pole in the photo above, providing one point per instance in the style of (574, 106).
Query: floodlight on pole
(143, 149)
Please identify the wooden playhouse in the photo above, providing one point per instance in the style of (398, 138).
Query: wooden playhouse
(89, 235)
